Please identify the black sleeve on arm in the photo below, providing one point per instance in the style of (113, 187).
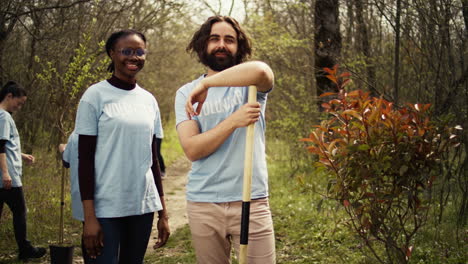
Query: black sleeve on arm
(66, 164)
(155, 167)
(2, 145)
(86, 152)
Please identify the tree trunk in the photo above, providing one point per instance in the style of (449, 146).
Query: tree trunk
(6, 27)
(327, 42)
(350, 27)
(465, 16)
(396, 69)
(447, 60)
(365, 46)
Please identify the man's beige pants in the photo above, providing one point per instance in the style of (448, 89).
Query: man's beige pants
(215, 226)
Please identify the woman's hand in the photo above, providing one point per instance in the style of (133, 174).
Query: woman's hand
(163, 232)
(62, 147)
(93, 238)
(6, 180)
(28, 158)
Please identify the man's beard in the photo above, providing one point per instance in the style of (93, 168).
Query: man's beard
(220, 63)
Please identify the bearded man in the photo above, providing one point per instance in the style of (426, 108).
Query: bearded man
(212, 114)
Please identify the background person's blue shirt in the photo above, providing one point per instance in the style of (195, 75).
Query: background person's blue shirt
(70, 155)
(218, 177)
(9, 133)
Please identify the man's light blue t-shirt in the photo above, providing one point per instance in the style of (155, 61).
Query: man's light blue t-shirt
(124, 123)
(9, 133)
(219, 176)
(70, 155)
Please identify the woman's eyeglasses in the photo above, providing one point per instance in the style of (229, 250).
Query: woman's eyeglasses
(128, 52)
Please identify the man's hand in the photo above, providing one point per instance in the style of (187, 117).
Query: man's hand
(246, 115)
(198, 95)
(28, 158)
(163, 232)
(6, 180)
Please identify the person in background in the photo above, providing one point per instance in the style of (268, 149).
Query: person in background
(119, 176)
(12, 98)
(69, 153)
(213, 138)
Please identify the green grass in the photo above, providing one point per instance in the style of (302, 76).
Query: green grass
(437, 242)
(305, 234)
(178, 250)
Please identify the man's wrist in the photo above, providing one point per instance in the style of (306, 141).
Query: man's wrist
(230, 123)
(204, 85)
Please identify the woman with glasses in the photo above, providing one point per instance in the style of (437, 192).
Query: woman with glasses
(119, 176)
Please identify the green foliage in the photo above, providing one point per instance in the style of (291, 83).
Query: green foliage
(383, 162)
(292, 103)
(64, 88)
(170, 148)
(81, 69)
(306, 230)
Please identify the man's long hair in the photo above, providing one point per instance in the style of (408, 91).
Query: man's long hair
(200, 38)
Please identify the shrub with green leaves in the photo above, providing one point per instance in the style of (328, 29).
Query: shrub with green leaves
(382, 161)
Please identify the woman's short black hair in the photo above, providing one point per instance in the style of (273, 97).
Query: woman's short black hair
(14, 88)
(114, 37)
(199, 40)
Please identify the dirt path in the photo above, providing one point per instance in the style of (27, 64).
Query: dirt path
(174, 192)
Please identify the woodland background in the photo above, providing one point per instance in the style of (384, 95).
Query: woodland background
(406, 51)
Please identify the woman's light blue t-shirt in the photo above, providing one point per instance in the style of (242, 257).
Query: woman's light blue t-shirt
(219, 176)
(124, 123)
(9, 133)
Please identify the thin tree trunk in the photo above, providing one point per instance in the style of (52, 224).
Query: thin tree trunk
(396, 69)
(447, 60)
(349, 29)
(465, 16)
(365, 46)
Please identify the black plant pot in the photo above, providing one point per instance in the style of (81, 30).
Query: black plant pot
(61, 254)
